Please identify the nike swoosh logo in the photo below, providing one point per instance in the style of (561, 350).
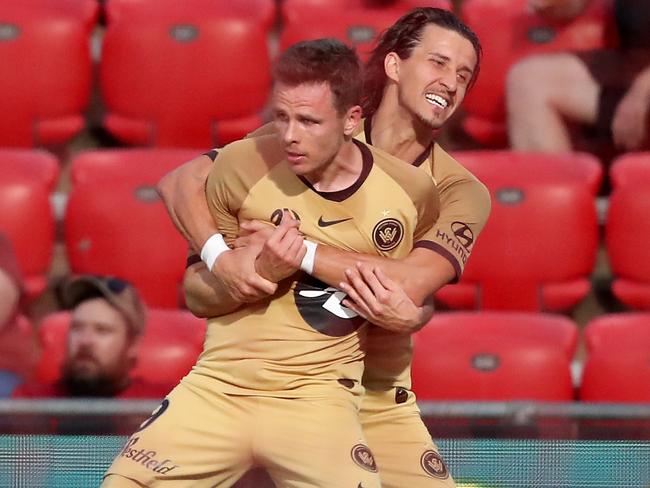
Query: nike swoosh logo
(327, 223)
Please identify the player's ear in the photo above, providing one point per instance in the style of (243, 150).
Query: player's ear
(352, 120)
(391, 66)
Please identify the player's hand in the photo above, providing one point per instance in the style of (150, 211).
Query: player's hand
(381, 301)
(282, 252)
(235, 269)
(630, 122)
(253, 233)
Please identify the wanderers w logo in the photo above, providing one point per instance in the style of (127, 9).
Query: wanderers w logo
(387, 234)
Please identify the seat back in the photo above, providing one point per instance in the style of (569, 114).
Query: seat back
(116, 224)
(618, 332)
(483, 368)
(617, 376)
(356, 23)
(554, 331)
(43, 100)
(27, 178)
(538, 248)
(184, 74)
(627, 229)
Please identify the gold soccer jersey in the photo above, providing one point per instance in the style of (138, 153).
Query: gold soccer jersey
(302, 338)
(464, 209)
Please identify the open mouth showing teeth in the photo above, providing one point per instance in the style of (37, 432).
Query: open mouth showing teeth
(436, 100)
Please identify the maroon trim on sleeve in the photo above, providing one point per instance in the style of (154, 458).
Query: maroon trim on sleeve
(192, 259)
(212, 154)
(432, 246)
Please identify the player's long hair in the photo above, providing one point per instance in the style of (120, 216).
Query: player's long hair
(401, 38)
(323, 60)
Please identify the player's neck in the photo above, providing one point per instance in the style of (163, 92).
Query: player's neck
(395, 131)
(341, 173)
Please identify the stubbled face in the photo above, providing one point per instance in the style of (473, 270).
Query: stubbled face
(433, 81)
(99, 347)
(309, 125)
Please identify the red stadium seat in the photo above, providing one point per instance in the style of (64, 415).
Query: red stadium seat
(261, 9)
(627, 229)
(27, 177)
(520, 33)
(184, 74)
(555, 331)
(355, 23)
(291, 6)
(539, 246)
(483, 368)
(173, 338)
(617, 376)
(116, 224)
(43, 99)
(618, 332)
(135, 165)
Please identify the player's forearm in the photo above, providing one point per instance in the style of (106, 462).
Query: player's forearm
(205, 296)
(183, 192)
(420, 274)
(641, 85)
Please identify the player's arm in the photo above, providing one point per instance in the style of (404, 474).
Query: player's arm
(183, 192)
(439, 256)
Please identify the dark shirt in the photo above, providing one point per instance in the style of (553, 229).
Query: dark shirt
(633, 23)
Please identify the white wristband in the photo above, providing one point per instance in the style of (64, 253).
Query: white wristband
(212, 248)
(307, 263)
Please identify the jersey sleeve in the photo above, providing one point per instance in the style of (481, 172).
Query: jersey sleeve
(221, 194)
(464, 209)
(428, 205)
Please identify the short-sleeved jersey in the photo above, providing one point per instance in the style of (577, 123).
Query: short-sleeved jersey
(464, 209)
(302, 339)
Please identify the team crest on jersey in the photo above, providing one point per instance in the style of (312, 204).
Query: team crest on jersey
(387, 234)
(362, 455)
(276, 216)
(433, 465)
(320, 307)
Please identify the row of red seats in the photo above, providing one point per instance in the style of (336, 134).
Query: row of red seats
(536, 253)
(188, 74)
(458, 356)
(527, 356)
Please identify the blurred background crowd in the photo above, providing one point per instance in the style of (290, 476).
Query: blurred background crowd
(101, 98)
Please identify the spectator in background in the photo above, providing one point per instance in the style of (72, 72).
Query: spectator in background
(606, 90)
(18, 346)
(107, 322)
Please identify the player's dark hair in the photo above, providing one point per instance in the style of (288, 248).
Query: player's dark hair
(401, 38)
(323, 60)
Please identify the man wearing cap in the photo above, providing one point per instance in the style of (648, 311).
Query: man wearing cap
(107, 321)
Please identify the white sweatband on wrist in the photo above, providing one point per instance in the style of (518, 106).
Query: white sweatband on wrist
(307, 263)
(212, 249)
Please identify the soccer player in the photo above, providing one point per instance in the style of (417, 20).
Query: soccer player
(279, 380)
(417, 77)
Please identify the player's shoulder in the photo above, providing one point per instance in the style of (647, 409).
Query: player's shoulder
(263, 150)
